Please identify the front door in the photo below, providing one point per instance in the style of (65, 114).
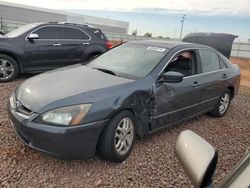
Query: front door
(176, 101)
(46, 52)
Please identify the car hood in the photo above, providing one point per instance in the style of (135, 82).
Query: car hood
(52, 86)
(220, 41)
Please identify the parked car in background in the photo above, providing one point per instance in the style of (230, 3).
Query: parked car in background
(39, 47)
(199, 160)
(134, 89)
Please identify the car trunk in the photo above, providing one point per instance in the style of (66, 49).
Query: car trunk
(219, 41)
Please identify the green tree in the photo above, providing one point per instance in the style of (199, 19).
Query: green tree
(134, 32)
(148, 34)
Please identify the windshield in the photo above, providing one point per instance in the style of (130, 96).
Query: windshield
(129, 60)
(21, 30)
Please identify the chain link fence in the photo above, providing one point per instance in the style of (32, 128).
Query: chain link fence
(239, 49)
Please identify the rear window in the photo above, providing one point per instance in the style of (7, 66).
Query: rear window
(98, 33)
(73, 33)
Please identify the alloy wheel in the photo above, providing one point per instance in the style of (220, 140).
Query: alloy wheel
(124, 136)
(224, 103)
(6, 69)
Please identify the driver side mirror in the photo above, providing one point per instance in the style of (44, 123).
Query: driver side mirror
(33, 36)
(198, 158)
(172, 77)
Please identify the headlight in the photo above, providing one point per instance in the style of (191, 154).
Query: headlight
(70, 115)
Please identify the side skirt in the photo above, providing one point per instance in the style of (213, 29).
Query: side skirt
(171, 125)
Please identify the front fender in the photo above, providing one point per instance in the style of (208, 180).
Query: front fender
(139, 104)
(13, 51)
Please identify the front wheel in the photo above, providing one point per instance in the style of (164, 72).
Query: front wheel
(223, 105)
(8, 68)
(117, 139)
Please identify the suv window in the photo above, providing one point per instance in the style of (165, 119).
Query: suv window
(50, 32)
(71, 33)
(98, 33)
(209, 61)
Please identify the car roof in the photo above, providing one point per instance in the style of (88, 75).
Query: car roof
(168, 44)
(65, 24)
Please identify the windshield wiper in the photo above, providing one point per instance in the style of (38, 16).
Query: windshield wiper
(106, 71)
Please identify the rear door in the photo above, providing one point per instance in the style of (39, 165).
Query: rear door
(75, 42)
(46, 52)
(213, 78)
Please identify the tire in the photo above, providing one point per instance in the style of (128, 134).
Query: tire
(8, 68)
(223, 105)
(117, 139)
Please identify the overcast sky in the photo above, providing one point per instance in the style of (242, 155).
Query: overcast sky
(162, 17)
(229, 7)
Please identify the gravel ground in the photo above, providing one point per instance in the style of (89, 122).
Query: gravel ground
(244, 65)
(152, 162)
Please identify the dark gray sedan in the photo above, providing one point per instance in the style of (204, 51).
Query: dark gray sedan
(134, 89)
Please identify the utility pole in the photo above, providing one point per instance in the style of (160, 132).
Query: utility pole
(182, 24)
(1, 23)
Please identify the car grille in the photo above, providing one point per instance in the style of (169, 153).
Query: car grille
(20, 108)
(23, 110)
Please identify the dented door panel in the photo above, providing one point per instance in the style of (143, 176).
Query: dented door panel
(173, 102)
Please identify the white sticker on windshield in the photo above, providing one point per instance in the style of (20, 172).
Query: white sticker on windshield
(156, 49)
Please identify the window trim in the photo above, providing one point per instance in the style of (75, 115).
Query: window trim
(205, 73)
(195, 58)
(167, 63)
(61, 26)
(186, 49)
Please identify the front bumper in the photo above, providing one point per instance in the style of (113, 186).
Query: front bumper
(66, 143)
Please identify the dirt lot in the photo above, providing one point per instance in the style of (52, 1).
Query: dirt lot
(151, 164)
(245, 70)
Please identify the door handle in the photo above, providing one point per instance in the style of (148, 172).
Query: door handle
(195, 84)
(85, 43)
(57, 44)
(224, 75)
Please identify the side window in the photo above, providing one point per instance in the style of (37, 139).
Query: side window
(222, 64)
(184, 63)
(98, 33)
(50, 32)
(71, 33)
(209, 61)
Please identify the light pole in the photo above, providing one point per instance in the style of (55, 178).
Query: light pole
(182, 24)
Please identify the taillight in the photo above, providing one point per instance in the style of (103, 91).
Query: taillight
(109, 45)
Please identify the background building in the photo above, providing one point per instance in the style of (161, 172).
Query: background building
(13, 16)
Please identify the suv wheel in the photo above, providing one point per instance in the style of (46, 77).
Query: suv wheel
(117, 139)
(8, 68)
(223, 105)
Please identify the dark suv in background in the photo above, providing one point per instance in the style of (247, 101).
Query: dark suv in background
(39, 47)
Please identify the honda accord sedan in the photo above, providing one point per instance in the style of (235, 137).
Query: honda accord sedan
(132, 90)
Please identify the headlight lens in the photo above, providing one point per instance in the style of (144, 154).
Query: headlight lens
(70, 115)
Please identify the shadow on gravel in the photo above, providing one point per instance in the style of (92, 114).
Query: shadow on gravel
(25, 76)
